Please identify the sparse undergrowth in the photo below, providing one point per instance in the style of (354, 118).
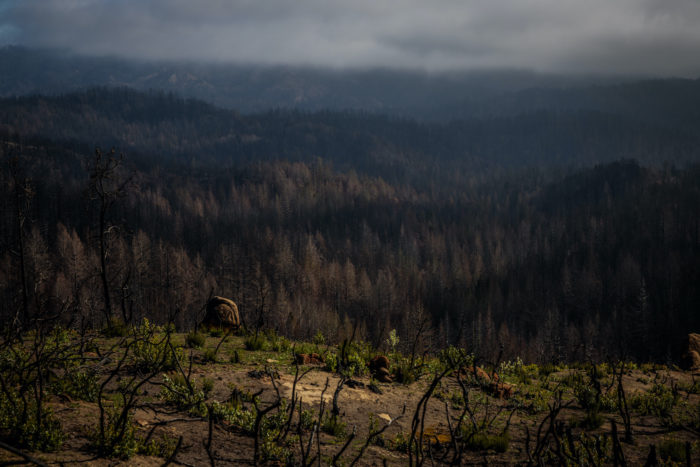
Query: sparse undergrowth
(122, 375)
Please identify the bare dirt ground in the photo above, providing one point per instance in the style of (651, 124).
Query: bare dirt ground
(521, 416)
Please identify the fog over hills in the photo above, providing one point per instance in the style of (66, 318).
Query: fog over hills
(418, 94)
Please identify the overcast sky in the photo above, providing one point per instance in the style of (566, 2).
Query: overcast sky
(657, 37)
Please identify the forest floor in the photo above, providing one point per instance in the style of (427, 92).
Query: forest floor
(555, 415)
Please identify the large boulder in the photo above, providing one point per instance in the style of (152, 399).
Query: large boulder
(690, 359)
(221, 313)
(308, 359)
(379, 368)
(378, 362)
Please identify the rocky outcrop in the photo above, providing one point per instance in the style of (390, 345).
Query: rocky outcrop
(690, 358)
(308, 359)
(221, 313)
(379, 368)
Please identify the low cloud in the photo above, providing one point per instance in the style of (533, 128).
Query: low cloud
(652, 37)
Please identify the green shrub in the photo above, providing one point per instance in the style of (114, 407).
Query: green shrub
(353, 358)
(18, 421)
(209, 356)
(115, 328)
(672, 450)
(234, 415)
(279, 343)
(195, 340)
(152, 351)
(690, 388)
(307, 419)
(404, 372)
(177, 393)
(457, 398)
(393, 340)
(454, 357)
(482, 441)
(355, 365)
(659, 401)
(331, 360)
(608, 403)
(573, 379)
(586, 396)
(271, 451)
(547, 369)
(255, 343)
(400, 442)
(591, 421)
(161, 447)
(319, 339)
(119, 437)
(77, 384)
(235, 357)
(334, 426)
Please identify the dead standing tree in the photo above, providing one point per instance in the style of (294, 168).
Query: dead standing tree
(105, 188)
(23, 196)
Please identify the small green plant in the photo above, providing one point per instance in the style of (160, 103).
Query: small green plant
(672, 450)
(319, 339)
(235, 415)
(455, 357)
(190, 397)
(334, 426)
(77, 384)
(400, 442)
(510, 368)
(597, 449)
(152, 349)
(235, 357)
(404, 372)
(194, 340)
(19, 420)
(547, 369)
(457, 399)
(115, 328)
(393, 340)
(691, 388)
(573, 379)
(481, 441)
(331, 360)
(307, 419)
(591, 421)
(255, 343)
(209, 356)
(161, 447)
(279, 343)
(216, 332)
(207, 385)
(658, 401)
(119, 436)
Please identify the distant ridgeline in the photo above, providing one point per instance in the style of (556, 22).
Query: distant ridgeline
(558, 234)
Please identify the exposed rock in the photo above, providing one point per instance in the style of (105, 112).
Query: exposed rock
(380, 361)
(308, 359)
(384, 416)
(221, 313)
(379, 368)
(690, 359)
(383, 376)
(500, 390)
(481, 375)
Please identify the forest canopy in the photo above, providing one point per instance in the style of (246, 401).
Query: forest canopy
(552, 234)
